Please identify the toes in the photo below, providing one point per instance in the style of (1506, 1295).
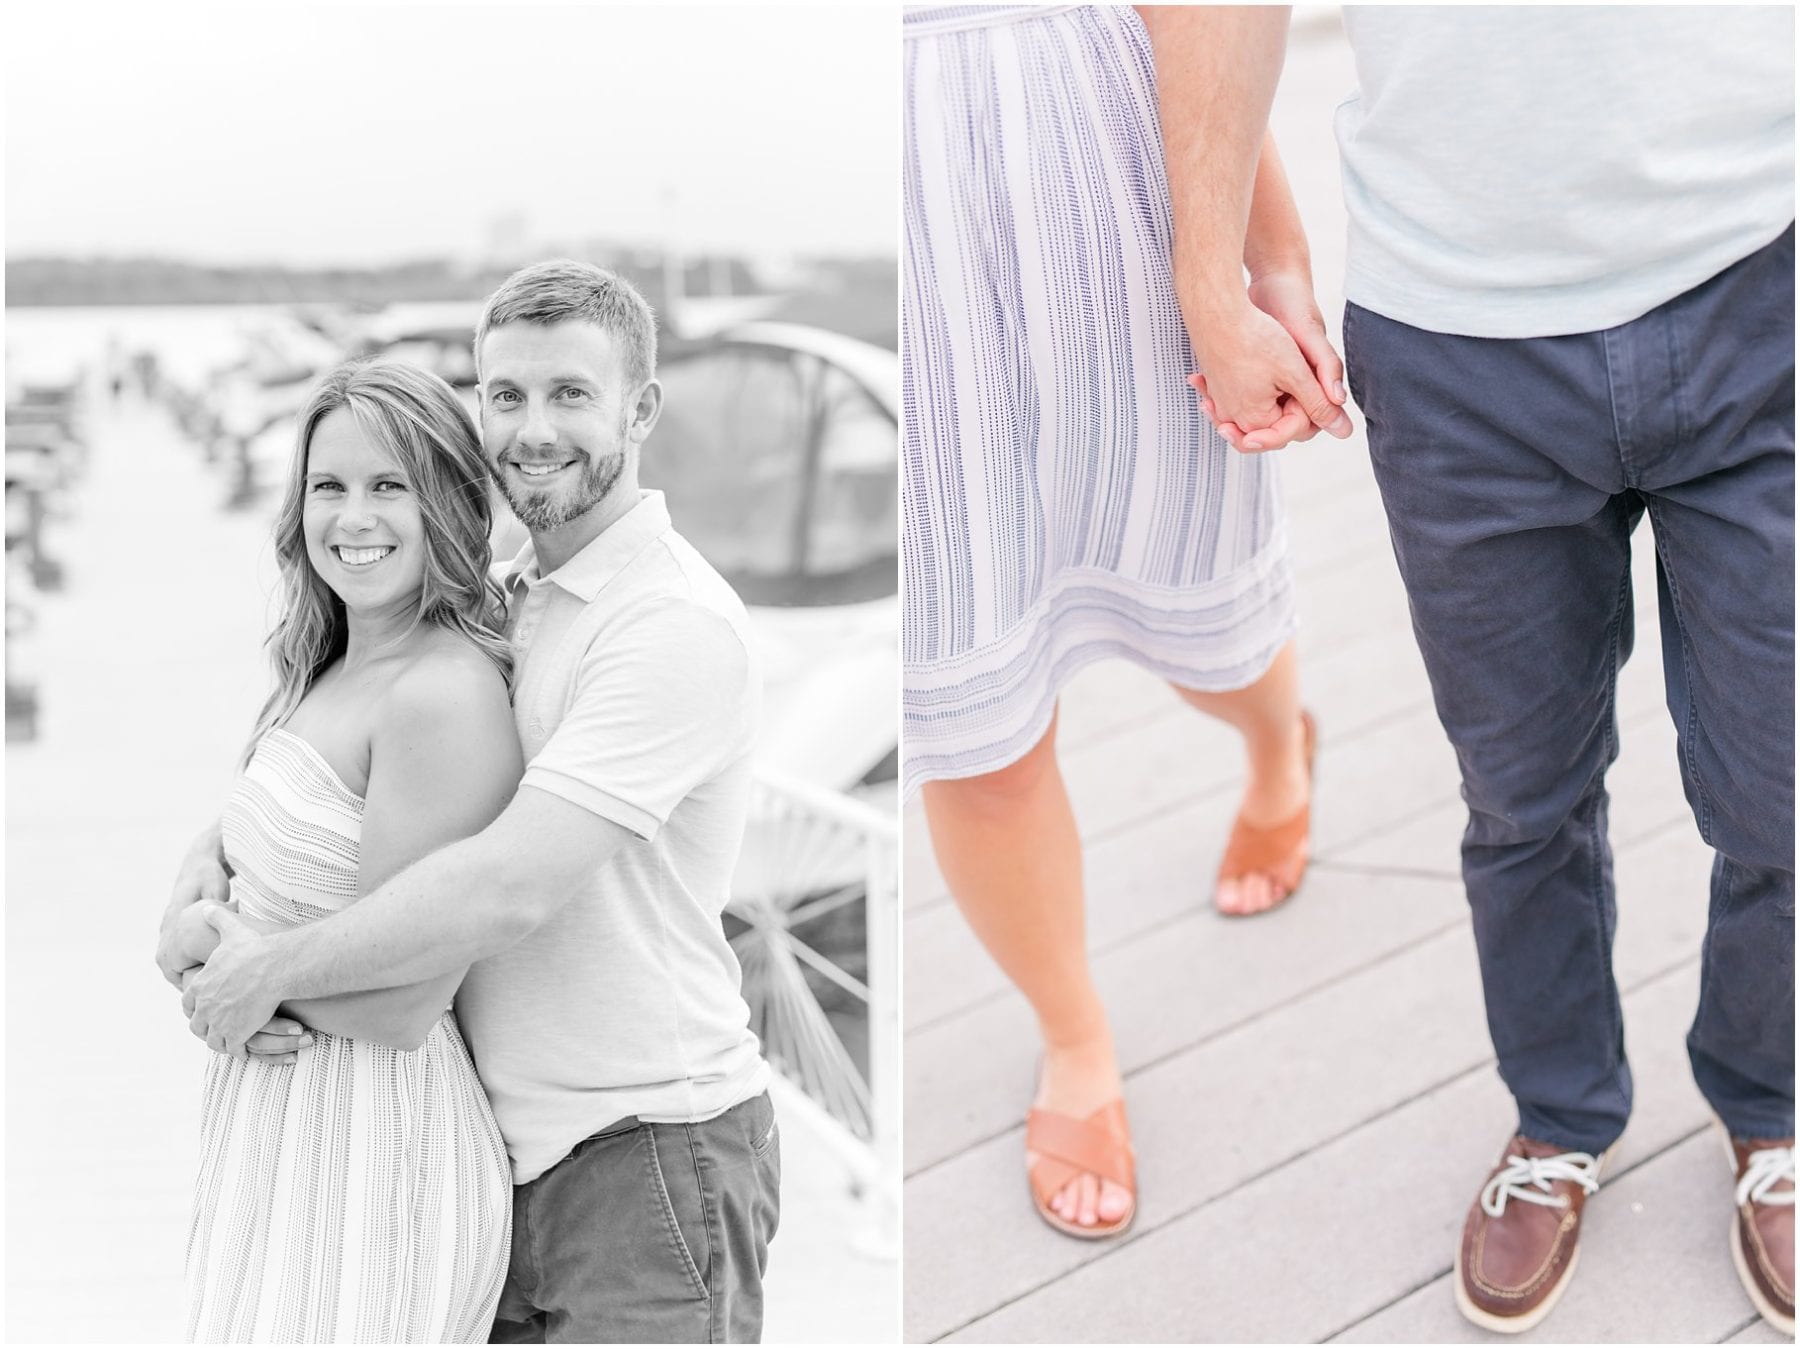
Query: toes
(1258, 894)
(1090, 1198)
(1229, 897)
(1115, 1202)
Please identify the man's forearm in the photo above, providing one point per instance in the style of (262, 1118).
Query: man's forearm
(443, 913)
(1216, 71)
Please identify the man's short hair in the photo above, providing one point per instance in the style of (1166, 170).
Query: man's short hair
(563, 289)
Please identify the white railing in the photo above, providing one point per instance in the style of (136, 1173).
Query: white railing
(809, 852)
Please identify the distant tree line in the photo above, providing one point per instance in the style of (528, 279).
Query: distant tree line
(857, 296)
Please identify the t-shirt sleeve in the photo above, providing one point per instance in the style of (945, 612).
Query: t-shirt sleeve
(660, 705)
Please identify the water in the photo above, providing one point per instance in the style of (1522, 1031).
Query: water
(54, 345)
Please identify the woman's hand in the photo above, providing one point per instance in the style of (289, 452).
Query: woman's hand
(279, 1042)
(1287, 297)
(202, 879)
(186, 940)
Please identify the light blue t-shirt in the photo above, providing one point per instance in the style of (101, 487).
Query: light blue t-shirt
(1527, 171)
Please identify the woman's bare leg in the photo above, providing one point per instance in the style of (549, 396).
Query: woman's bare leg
(1267, 714)
(1006, 843)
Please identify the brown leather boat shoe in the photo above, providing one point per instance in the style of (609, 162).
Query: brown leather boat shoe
(1762, 1230)
(1519, 1242)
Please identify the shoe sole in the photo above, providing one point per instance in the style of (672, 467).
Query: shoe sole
(1094, 1233)
(1524, 1321)
(1782, 1321)
(1512, 1325)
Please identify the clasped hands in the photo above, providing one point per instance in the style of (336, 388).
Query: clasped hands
(223, 992)
(1269, 374)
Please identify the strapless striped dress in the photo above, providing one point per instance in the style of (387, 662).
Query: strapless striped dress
(361, 1195)
(1064, 499)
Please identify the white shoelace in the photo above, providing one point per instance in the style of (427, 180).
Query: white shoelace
(1766, 1169)
(1530, 1178)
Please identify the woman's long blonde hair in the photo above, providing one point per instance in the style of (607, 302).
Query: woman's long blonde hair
(415, 418)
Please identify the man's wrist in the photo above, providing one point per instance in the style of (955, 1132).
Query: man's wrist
(1211, 294)
(266, 962)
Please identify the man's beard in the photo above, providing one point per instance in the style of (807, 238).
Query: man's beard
(543, 511)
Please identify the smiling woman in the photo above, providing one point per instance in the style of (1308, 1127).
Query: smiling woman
(388, 734)
(382, 448)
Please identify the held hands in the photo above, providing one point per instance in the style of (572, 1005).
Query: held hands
(1271, 377)
(229, 1000)
(279, 1041)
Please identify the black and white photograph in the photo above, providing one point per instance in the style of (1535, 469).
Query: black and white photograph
(452, 674)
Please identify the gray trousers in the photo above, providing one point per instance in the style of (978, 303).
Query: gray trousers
(1513, 473)
(648, 1234)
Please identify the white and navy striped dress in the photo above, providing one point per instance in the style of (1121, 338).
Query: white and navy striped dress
(1064, 497)
(361, 1195)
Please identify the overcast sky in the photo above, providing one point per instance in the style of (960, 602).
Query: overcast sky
(373, 133)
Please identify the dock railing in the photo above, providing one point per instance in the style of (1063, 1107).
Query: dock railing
(826, 1006)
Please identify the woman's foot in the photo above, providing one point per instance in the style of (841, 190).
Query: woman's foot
(1269, 845)
(1077, 1083)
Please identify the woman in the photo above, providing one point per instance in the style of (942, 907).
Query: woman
(1065, 501)
(357, 1188)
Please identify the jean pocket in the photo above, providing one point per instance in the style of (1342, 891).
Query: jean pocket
(675, 1191)
(763, 1134)
(763, 1146)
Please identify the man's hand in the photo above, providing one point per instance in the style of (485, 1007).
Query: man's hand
(1269, 376)
(233, 996)
(278, 1042)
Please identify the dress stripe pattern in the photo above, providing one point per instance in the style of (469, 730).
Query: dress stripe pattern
(1064, 499)
(361, 1195)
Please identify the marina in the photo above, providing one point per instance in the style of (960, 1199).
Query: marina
(143, 651)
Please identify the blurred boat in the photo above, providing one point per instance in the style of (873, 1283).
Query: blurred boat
(46, 453)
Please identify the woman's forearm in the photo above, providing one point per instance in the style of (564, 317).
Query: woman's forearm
(400, 1017)
(1275, 240)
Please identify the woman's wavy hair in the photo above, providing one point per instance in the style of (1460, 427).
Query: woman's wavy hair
(415, 418)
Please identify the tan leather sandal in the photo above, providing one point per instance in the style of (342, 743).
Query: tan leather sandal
(1280, 850)
(1066, 1147)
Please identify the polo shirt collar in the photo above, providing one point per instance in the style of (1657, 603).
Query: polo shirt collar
(585, 575)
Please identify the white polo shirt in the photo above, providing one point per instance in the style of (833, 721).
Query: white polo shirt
(636, 698)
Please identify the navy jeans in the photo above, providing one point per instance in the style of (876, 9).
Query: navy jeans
(1513, 473)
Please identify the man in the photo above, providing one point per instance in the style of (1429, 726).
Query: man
(602, 1005)
(1571, 286)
